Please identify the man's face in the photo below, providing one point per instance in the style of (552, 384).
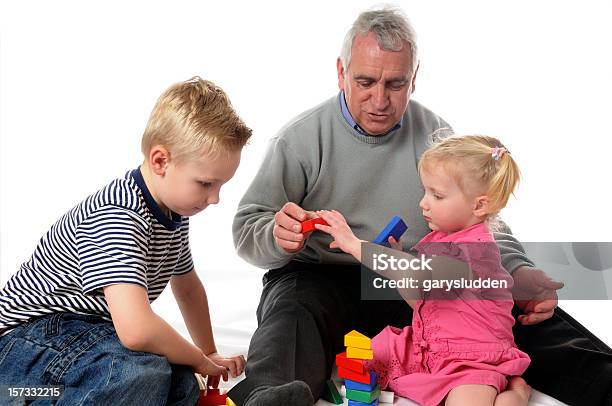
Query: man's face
(377, 84)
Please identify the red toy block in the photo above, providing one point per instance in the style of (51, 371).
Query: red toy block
(309, 225)
(350, 363)
(354, 376)
(212, 397)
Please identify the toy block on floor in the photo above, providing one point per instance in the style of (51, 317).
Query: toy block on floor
(349, 363)
(331, 393)
(385, 396)
(229, 402)
(363, 396)
(359, 353)
(395, 228)
(354, 376)
(309, 225)
(212, 397)
(364, 386)
(356, 403)
(357, 340)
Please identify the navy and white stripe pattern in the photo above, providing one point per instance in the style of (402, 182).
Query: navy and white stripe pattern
(117, 235)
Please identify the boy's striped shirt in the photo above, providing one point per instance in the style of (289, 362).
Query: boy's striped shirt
(117, 235)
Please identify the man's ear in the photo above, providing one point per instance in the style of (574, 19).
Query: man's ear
(159, 157)
(341, 74)
(481, 206)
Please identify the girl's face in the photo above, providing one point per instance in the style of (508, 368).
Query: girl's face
(445, 206)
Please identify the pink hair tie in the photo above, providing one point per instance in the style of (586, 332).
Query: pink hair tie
(498, 152)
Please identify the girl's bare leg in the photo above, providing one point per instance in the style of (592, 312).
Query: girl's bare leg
(517, 393)
(471, 395)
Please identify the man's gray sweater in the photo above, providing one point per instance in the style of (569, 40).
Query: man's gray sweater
(319, 162)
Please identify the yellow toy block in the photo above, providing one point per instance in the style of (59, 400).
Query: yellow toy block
(357, 340)
(229, 402)
(359, 353)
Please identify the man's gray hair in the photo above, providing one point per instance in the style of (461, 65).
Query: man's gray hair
(391, 28)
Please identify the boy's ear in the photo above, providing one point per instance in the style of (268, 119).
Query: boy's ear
(159, 157)
(481, 206)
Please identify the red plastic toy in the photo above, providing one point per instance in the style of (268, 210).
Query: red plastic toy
(309, 225)
(350, 363)
(212, 397)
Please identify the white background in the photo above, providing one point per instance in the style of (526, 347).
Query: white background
(78, 80)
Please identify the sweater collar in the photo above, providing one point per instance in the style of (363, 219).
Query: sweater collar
(359, 132)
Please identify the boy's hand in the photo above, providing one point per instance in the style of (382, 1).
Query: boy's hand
(287, 229)
(235, 364)
(342, 233)
(206, 367)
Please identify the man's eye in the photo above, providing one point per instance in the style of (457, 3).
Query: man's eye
(437, 197)
(365, 83)
(396, 85)
(206, 184)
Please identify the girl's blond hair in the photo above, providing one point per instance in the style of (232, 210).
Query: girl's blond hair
(193, 117)
(480, 164)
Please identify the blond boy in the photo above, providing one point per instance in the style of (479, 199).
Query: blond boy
(78, 313)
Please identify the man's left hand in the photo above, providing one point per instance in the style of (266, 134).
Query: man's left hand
(535, 294)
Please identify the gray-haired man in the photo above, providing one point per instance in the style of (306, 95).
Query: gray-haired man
(357, 153)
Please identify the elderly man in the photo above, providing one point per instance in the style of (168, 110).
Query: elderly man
(357, 153)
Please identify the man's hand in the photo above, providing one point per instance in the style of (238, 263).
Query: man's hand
(287, 228)
(535, 294)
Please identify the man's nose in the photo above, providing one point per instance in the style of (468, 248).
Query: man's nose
(380, 98)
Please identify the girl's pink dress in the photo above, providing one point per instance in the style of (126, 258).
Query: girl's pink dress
(452, 342)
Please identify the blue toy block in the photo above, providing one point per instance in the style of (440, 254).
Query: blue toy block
(355, 403)
(350, 384)
(395, 228)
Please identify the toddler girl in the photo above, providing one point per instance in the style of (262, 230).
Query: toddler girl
(460, 349)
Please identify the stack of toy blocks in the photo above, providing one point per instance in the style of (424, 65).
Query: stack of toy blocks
(361, 384)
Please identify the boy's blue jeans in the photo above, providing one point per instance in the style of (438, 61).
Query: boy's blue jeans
(84, 354)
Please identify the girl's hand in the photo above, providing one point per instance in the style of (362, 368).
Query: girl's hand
(396, 245)
(342, 233)
(206, 367)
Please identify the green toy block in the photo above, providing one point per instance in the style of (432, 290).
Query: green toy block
(331, 393)
(363, 396)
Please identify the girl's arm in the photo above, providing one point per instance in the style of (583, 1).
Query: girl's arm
(349, 243)
(341, 231)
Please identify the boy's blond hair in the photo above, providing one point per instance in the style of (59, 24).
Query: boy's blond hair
(193, 117)
(476, 164)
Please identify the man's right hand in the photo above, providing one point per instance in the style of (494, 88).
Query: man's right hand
(287, 228)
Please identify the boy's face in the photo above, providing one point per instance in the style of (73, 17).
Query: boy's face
(190, 186)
